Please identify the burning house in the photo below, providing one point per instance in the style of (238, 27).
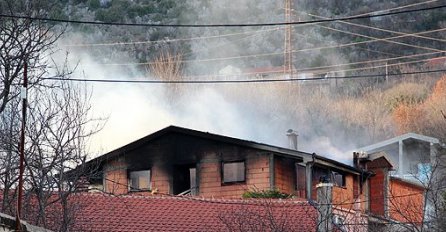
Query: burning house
(178, 161)
(182, 161)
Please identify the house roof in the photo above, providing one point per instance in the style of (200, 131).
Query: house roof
(8, 223)
(380, 159)
(411, 182)
(404, 137)
(266, 70)
(298, 155)
(100, 212)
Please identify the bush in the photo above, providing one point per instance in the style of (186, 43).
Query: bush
(274, 193)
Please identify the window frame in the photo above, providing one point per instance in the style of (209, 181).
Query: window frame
(343, 179)
(130, 185)
(223, 172)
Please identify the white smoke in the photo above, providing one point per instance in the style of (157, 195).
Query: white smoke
(136, 110)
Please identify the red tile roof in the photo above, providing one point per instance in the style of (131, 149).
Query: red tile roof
(102, 212)
(99, 212)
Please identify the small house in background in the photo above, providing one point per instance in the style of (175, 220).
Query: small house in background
(404, 180)
(266, 72)
(412, 155)
(392, 202)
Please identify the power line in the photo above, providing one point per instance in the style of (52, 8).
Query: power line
(259, 31)
(398, 7)
(320, 67)
(382, 66)
(236, 81)
(390, 31)
(374, 39)
(169, 40)
(295, 51)
(372, 61)
(222, 25)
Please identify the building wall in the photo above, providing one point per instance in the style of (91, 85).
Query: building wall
(210, 180)
(284, 175)
(160, 180)
(115, 177)
(343, 196)
(405, 202)
(209, 173)
(377, 191)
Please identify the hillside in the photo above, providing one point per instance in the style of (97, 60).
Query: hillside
(251, 41)
(331, 116)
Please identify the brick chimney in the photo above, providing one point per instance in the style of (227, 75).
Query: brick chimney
(292, 139)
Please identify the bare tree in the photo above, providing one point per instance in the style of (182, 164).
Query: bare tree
(168, 67)
(24, 40)
(58, 123)
(58, 126)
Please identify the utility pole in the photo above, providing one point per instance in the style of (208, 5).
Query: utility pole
(325, 208)
(288, 55)
(23, 95)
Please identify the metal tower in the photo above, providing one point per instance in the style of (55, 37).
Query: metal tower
(288, 55)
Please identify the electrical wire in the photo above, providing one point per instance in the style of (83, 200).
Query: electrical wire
(225, 35)
(237, 81)
(371, 61)
(169, 40)
(389, 39)
(281, 53)
(222, 25)
(417, 35)
(397, 8)
(294, 51)
(381, 66)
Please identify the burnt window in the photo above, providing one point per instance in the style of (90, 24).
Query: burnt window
(140, 180)
(233, 171)
(338, 179)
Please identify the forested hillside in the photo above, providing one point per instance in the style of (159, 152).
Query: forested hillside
(256, 41)
(377, 102)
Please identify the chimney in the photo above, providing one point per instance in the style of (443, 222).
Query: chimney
(325, 209)
(292, 139)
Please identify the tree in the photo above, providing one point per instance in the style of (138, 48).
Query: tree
(426, 117)
(58, 121)
(168, 67)
(24, 40)
(58, 126)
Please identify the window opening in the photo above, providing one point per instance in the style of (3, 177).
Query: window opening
(140, 180)
(233, 172)
(338, 179)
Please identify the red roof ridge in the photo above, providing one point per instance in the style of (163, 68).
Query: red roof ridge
(251, 201)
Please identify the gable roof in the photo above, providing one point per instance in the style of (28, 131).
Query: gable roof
(380, 159)
(100, 212)
(408, 136)
(298, 155)
(199, 134)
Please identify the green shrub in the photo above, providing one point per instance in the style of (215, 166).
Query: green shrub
(274, 193)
